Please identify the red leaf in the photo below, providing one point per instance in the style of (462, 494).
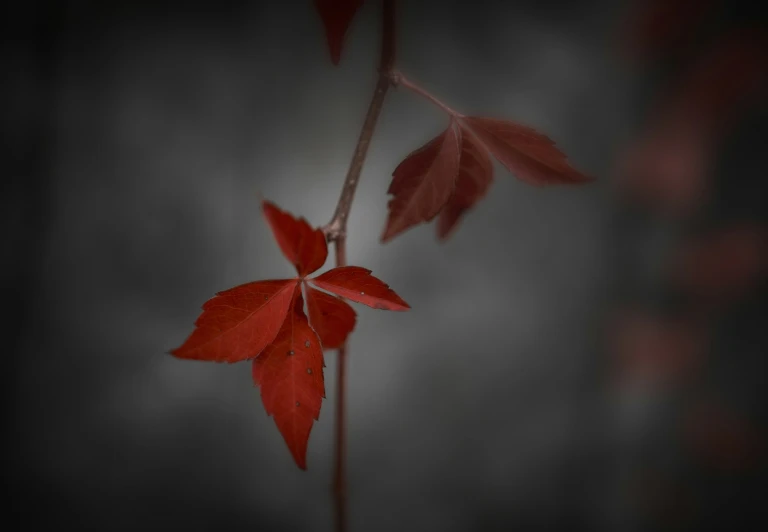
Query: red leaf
(724, 265)
(657, 349)
(671, 164)
(723, 438)
(423, 182)
(726, 80)
(303, 246)
(266, 320)
(357, 284)
(668, 167)
(662, 26)
(331, 318)
(290, 374)
(239, 323)
(337, 16)
(529, 155)
(475, 177)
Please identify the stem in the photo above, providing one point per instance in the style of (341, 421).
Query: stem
(397, 78)
(340, 444)
(336, 232)
(336, 229)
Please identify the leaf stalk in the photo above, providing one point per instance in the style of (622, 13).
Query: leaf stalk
(397, 79)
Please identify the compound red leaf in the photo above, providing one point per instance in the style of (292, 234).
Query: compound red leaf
(529, 155)
(239, 323)
(337, 16)
(475, 177)
(331, 318)
(423, 182)
(303, 246)
(290, 374)
(357, 284)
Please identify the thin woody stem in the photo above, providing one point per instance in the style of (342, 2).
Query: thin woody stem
(340, 443)
(337, 227)
(398, 79)
(336, 232)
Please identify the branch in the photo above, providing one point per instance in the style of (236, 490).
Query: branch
(336, 232)
(336, 229)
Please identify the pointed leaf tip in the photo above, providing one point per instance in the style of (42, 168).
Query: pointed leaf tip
(303, 246)
(239, 323)
(337, 16)
(526, 153)
(290, 375)
(423, 182)
(357, 284)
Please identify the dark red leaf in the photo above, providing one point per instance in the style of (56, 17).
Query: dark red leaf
(725, 80)
(357, 284)
(290, 374)
(723, 265)
(303, 246)
(239, 323)
(331, 318)
(423, 182)
(475, 177)
(668, 167)
(529, 155)
(337, 16)
(656, 27)
(722, 437)
(655, 348)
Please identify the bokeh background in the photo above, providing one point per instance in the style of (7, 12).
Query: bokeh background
(584, 358)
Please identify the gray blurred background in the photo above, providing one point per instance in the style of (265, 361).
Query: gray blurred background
(137, 140)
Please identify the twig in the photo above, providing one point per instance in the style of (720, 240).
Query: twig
(336, 232)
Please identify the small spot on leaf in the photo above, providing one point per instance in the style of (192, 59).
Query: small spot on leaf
(290, 353)
(307, 344)
(309, 371)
